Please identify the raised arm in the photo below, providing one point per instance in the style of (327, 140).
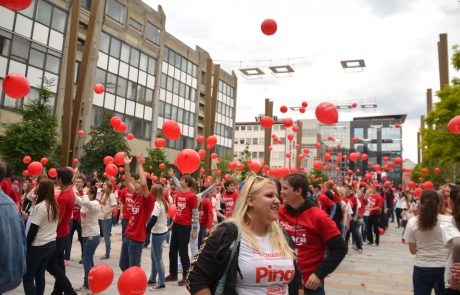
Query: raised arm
(128, 179)
(142, 177)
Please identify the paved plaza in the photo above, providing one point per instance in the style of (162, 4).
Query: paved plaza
(379, 270)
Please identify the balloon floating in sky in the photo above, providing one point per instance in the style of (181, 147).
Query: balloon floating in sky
(16, 85)
(16, 5)
(327, 113)
(269, 27)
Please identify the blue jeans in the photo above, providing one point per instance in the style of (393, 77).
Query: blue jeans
(124, 225)
(106, 226)
(157, 258)
(318, 291)
(37, 259)
(131, 253)
(74, 226)
(90, 244)
(427, 278)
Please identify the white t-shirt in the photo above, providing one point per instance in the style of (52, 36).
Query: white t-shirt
(264, 272)
(400, 201)
(161, 226)
(46, 228)
(111, 201)
(431, 251)
(347, 211)
(89, 213)
(449, 232)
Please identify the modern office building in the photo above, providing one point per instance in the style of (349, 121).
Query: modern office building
(149, 75)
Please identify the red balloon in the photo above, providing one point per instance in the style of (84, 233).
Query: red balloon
(283, 109)
(162, 166)
(354, 105)
(397, 125)
(52, 172)
(132, 281)
(202, 153)
(232, 165)
(16, 5)
(381, 231)
(327, 157)
(377, 167)
(437, 170)
(119, 159)
(428, 185)
(306, 151)
(108, 160)
(304, 104)
(300, 157)
(25, 173)
(387, 183)
(354, 157)
(411, 184)
(213, 156)
(122, 127)
(295, 128)
(160, 142)
(80, 133)
(172, 210)
(355, 139)
(318, 165)
(364, 157)
(453, 125)
(254, 167)
(99, 88)
(327, 113)
(398, 161)
(100, 277)
(188, 161)
(154, 178)
(241, 166)
(287, 122)
(297, 146)
(16, 85)
(26, 159)
(200, 139)
(269, 27)
(266, 121)
(115, 122)
(385, 159)
(418, 191)
(121, 169)
(35, 168)
(130, 136)
(211, 141)
(171, 129)
(425, 171)
(75, 161)
(290, 137)
(302, 110)
(111, 170)
(288, 155)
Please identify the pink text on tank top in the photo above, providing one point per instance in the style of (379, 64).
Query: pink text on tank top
(267, 273)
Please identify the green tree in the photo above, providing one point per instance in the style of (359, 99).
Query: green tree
(319, 176)
(441, 147)
(154, 158)
(105, 141)
(35, 135)
(245, 157)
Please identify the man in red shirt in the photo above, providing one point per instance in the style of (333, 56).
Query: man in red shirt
(228, 199)
(325, 203)
(126, 200)
(375, 206)
(141, 209)
(66, 201)
(313, 231)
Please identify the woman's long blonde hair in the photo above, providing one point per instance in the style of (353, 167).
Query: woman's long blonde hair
(242, 219)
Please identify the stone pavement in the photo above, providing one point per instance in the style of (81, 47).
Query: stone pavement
(381, 270)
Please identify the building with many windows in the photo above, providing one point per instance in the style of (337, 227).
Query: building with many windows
(149, 75)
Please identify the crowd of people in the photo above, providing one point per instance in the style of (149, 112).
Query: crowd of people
(260, 236)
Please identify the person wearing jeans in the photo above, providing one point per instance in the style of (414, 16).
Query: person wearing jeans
(374, 206)
(142, 206)
(108, 204)
(41, 238)
(89, 212)
(75, 222)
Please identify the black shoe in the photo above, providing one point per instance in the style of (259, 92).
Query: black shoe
(81, 261)
(170, 278)
(160, 287)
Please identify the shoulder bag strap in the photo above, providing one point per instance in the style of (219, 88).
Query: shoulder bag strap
(234, 246)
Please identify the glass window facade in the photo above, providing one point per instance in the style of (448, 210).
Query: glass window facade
(135, 24)
(224, 122)
(128, 88)
(31, 43)
(152, 34)
(115, 10)
(178, 86)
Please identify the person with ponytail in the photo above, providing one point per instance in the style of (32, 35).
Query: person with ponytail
(424, 236)
(241, 254)
(451, 238)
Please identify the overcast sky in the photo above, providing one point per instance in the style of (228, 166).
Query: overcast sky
(396, 38)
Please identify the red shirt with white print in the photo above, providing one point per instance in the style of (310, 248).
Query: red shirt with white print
(310, 231)
(229, 200)
(185, 202)
(375, 201)
(126, 198)
(141, 210)
(206, 214)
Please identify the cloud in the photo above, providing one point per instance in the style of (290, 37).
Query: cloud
(388, 7)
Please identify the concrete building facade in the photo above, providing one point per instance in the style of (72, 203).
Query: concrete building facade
(149, 75)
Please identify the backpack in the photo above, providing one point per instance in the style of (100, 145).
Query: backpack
(338, 216)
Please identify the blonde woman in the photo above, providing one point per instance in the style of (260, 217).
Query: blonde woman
(249, 253)
(108, 204)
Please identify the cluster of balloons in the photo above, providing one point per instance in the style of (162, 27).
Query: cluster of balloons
(116, 123)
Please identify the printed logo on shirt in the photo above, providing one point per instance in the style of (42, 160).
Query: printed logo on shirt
(268, 274)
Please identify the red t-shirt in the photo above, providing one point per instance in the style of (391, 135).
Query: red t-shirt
(66, 202)
(185, 202)
(325, 203)
(375, 201)
(363, 206)
(126, 198)
(5, 185)
(314, 228)
(76, 209)
(141, 210)
(206, 215)
(229, 200)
